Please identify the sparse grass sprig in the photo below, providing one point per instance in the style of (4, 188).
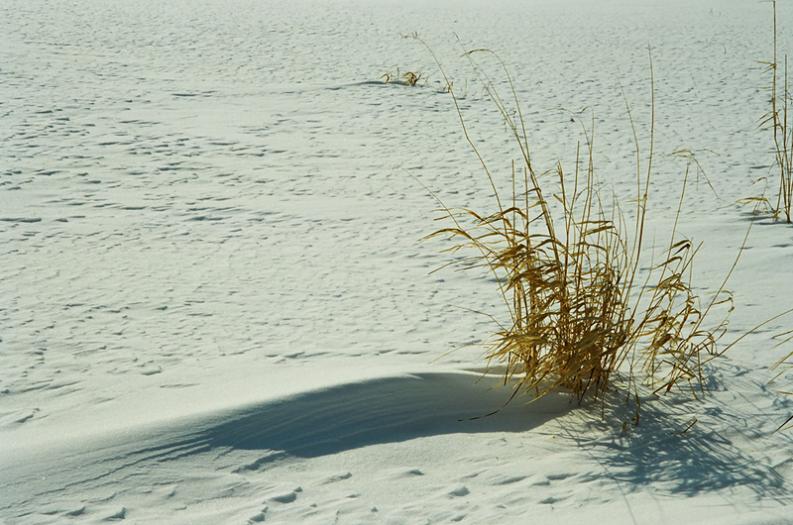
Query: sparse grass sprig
(779, 120)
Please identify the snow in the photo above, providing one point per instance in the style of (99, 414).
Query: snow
(216, 307)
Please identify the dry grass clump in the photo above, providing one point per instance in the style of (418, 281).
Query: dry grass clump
(580, 307)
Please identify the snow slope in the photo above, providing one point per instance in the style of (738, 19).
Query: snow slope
(215, 306)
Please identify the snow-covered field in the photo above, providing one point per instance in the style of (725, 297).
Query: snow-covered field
(215, 306)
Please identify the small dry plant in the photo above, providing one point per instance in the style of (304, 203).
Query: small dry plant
(579, 304)
(409, 78)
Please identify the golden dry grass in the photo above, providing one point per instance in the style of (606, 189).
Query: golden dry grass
(580, 309)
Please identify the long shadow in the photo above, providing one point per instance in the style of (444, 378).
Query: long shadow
(676, 452)
(760, 218)
(311, 424)
(382, 410)
(661, 451)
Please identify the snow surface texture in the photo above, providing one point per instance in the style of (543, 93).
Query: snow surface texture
(215, 308)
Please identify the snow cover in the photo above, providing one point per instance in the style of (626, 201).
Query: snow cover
(215, 306)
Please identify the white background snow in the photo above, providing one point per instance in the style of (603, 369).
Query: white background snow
(215, 306)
